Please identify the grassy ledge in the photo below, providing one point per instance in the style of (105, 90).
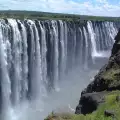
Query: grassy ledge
(110, 104)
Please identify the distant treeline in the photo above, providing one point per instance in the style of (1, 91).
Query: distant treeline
(52, 16)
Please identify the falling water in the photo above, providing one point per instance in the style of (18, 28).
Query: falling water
(24, 62)
(92, 38)
(4, 75)
(43, 62)
(36, 56)
(86, 47)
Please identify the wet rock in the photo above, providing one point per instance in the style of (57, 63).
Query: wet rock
(118, 98)
(89, 102)
(109, 113)
(116, 45)
(78, 109)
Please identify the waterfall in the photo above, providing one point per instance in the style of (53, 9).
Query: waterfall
(86, 47)
(35, 56)
(36, 77)
(24, 62)
(5, 84)
(92, 38)
(44, 61)
(102, 37)
(62, 43)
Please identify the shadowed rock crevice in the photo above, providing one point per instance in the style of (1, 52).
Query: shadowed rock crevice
(89, 102)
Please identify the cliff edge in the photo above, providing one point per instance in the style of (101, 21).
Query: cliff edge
(101, 99)
(107, 79)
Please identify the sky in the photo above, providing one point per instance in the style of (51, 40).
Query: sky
(82, 7)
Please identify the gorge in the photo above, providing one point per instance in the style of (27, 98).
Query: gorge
(37, 57)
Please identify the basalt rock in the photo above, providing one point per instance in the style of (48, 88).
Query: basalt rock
(109, 113)
(118, 98)
(89, 102)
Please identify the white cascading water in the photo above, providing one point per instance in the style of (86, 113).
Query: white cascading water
(74, 45)
(36, 59)
(81, 45)
(4, 76)
(65, 38)
(92, 38)
(16, 59)
(86, 48)
(36, 80)
(56, 53)
(63, 52)
(44, 61)
(103, 35)
(24, 63)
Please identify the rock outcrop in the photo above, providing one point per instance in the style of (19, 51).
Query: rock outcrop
(107, 79)
(89, 102)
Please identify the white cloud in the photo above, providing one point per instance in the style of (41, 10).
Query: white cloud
(102, 1)
(99, 8)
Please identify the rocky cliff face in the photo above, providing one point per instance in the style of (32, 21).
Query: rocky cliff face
(107, 79)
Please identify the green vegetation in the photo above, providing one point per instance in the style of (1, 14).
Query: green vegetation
(110, 104)
(53, 16)
(112, 76)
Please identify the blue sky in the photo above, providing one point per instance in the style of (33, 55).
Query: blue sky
(86, 7)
